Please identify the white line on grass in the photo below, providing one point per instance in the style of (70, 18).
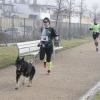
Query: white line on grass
(91, 92)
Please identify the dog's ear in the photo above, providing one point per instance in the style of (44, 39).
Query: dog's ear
(22, 59)
(18, 58)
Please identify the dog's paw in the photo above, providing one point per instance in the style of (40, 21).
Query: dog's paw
(16, 88)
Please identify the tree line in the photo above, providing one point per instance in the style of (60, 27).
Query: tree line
(76, 9)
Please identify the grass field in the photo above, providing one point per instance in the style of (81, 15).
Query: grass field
(74, 42)
(97, 96)
(8, 54)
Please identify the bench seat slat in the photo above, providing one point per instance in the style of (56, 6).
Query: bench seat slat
(29, 42)
(26, 50)
(26, 46)
(30, 54)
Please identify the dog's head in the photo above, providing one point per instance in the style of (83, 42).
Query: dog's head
(20, 63)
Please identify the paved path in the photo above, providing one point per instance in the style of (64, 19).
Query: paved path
(72, 76)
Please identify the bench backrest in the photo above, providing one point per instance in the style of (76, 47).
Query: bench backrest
(26, 47)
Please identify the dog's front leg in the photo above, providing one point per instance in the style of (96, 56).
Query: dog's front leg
(24, 81)
(30, 82)
(17, 81)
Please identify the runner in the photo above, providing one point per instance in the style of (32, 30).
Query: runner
(47, 35)
(95, 29)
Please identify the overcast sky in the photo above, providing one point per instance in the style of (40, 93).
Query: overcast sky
(88, 1)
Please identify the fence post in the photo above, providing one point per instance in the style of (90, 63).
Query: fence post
(33, 30)
(24, 27)
(12, 27)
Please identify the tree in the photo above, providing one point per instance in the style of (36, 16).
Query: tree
(22, 1)
(10, 2)
(70, 6)
(3, 1)
(59, 7)
(81, 11)
(63, 7)
(15, 1)
(28, 1)
(58, 11)
(34, 1)
(94, 12)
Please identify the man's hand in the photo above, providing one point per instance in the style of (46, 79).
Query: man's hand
(39, 45)
(90, 29)
(57, 38)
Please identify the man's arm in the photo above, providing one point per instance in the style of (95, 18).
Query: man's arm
(55, 35)
(91, 27)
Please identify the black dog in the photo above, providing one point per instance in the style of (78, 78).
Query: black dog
(24, 68)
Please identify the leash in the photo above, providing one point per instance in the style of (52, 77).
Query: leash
(39, 51)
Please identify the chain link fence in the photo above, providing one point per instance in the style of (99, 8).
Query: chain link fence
(13, 30)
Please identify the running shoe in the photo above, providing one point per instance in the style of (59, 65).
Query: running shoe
(49, 72)
(44, 64)
(96, 49)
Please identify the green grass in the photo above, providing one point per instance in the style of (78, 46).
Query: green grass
(74, 42)
(8, 54)
(97, 96)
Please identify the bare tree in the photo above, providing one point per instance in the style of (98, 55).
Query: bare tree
(3, 1)
(22, 1)
(10, 2)
(28, 1)
(59, 7)
(34, 1)
(94, 12)
(15, 1)
(81, 11)
(65, 7)
(58, 10)
(70, 5)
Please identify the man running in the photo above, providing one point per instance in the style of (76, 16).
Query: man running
(47, 35)
(95, 29)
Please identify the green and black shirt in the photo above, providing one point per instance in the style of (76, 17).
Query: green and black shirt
(48, 34)
(95, 27)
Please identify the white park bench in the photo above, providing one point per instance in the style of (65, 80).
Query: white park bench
(30, 48)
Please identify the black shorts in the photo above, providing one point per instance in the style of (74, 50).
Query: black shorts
(48, 51)
(95, 35)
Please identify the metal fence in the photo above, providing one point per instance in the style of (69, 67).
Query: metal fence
(14, 30)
